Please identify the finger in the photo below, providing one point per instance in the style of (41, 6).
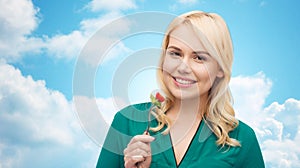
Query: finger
(138, 158)
(129, 164)
(131, 161)
(136, 152)
(142, 138)
(138, 145)
(144, 153)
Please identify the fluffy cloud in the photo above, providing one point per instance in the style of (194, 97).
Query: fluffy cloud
(280, 134)
(277, 125)
(109, 107)
(36, 122)
(103, 39)
(111, 5)
(187, 1)
(249, 94)
(90, 26)
(23, 100)
(95, 115)
(78, 39)
(56, 45)
(18, 18)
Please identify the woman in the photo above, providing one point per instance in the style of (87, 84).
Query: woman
(195, 126)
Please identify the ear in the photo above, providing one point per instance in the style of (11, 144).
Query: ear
(220, 73)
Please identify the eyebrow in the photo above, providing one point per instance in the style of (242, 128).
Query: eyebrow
(173, 47)
(194, 52)
(201, 52)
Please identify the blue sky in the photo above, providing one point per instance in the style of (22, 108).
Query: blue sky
(40, 43)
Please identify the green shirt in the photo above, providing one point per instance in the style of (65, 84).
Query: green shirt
(202, 151)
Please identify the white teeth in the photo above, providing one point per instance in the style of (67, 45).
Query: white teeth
(182, 81)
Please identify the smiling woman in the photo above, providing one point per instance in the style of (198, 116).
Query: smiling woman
(190, 67)
(195, 124)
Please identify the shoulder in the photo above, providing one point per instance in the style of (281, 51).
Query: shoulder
(250, 153)
(245, 135)
(243, 131)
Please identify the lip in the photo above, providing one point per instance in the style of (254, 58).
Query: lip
(183, 82)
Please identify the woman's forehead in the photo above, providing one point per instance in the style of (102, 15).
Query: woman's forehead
(185, 36)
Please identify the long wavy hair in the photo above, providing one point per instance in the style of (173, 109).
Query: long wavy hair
(212, 30)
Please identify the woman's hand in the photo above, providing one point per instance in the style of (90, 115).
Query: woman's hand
(138, 152)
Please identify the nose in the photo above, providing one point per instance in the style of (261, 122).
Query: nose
(183, 67)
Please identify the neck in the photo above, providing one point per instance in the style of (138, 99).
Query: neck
(188, 110)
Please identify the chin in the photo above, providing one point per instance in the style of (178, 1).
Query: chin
(185, 96)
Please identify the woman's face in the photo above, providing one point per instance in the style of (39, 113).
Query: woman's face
(188, 69)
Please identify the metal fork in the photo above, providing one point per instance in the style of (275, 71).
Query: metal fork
(149, 119)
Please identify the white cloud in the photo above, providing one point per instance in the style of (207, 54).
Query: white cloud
(90, 26)
(111, 5)
(24, 100)
(187, 1)
(90, 33)
(18, 19)
(284, 153)
(36, 122)
(65, 46)
(249, 94)
(277, 125)
(70, 45)
(104, 38)
(282, 148)
(109, 107)
(95, 115)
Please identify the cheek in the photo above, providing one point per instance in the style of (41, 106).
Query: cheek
(204, 73)
(170, 64)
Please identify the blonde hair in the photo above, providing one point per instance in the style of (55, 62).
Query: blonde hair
(212, 30)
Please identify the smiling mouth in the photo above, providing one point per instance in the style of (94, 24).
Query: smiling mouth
(183, 81)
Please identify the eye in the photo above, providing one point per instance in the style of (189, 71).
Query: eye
(173, 53)
(200, 58)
